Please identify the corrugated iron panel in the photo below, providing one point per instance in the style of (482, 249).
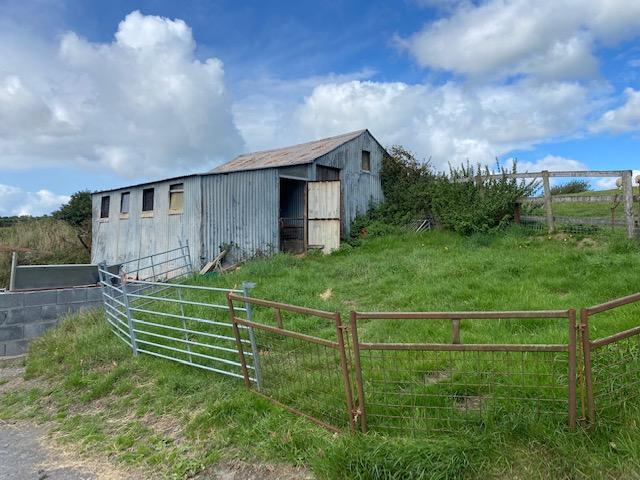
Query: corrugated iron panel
(282, 157)
(120, 239)
(360, 189)
(241, 208)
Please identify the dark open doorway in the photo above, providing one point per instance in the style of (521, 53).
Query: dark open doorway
(292, 215)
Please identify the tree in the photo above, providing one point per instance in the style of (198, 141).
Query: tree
(77, 213)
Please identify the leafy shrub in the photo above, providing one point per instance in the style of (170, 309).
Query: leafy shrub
(406, 184)
(476, 206)
(412, 190)
(574, 186)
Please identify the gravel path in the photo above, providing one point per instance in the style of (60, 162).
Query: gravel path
(23, 457)
(27, 452)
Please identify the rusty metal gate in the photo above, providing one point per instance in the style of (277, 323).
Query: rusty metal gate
(411, 388)
(337, 380)
(611, 364)
(305, 374)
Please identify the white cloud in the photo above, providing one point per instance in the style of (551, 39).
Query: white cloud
(625, 118)
(142, 104)
(545, 38)
(551, 163)
(16, 201)
(450, 123)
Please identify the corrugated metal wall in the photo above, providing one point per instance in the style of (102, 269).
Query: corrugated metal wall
(359, 189)
(120, 239)
(241, 207)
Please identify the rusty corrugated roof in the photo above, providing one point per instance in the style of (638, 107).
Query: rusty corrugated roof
(283, 157)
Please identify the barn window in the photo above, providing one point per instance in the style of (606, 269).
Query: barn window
(124, 203)
(176, 197)
(104, 206)
(366, 161)
(147, 199)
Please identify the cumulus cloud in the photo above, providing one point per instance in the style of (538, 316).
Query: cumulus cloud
(16, 201)
(449, 123)
(551, 163)
(546, 38)
(139, 105)
(625, 118)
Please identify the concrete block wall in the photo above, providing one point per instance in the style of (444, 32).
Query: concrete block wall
(27, 315)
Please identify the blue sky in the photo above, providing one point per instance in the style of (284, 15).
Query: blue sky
(100, 94)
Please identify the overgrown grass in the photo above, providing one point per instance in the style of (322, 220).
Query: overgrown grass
(179, 420)
(51, 241)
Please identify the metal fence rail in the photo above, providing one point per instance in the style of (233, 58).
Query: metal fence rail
(115, 308)
(187, 324)
(169, 265)
(306, 374)
(412, 388)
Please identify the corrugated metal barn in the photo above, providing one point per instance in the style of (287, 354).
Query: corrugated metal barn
(289, 199)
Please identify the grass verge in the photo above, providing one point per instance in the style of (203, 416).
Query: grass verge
(178, 421)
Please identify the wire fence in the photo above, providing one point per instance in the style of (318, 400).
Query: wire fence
(611, 362)
(412, 388)
(574, 225)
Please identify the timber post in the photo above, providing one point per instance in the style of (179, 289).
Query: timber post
(627, 193)
(548, 209)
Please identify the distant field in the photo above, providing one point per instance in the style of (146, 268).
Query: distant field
(589, 210)
(177, 421)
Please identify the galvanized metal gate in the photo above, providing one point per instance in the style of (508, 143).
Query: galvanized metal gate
(323, 215)
(184, 323)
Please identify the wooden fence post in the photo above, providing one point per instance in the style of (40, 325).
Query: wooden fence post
(516, 213)
(548, 209)
(627, 190)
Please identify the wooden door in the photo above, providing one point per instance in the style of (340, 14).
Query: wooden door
(323, 215)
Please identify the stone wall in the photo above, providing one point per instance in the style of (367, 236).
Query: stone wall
(27, 315)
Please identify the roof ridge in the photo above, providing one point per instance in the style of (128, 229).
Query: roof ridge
(305, 152)
(299, 144)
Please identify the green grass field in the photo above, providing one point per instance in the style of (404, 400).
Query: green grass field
(592, 209)
(177, 420)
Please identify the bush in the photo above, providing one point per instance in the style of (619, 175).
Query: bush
(405, 183)
(412, 190)
(574, 186)
(470, 207)
(406, 186)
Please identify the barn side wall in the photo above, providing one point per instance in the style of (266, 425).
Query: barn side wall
(241, 208)
(120, 239)
(359, 189)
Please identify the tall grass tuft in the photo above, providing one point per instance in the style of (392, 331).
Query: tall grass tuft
(48, 240)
